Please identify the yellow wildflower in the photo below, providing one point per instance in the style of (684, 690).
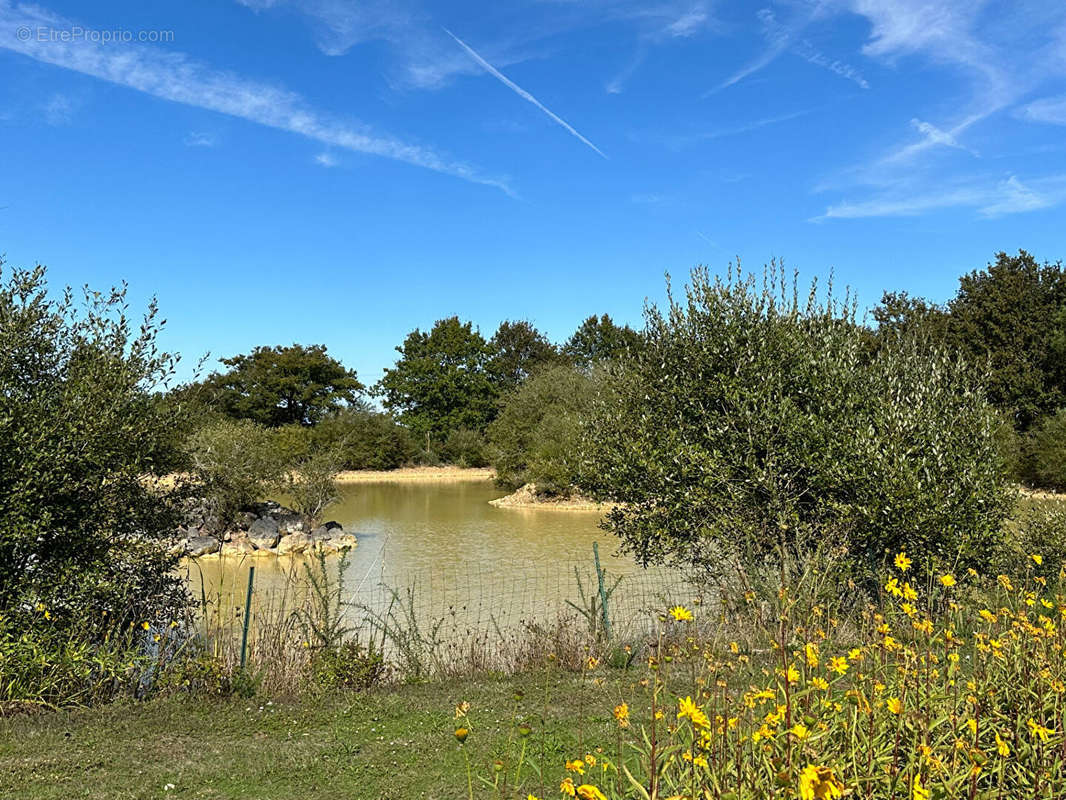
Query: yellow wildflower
(895, 705)
(839, 665)
(819, 783)
(919, 791)
(577, 765)
(792, 674)
(1001, 746)
(621, 713)
(1037, 559)
(1037, 730)
(461, 734)
(587, 791)
(902, 562)
(693, 712)
(567, 787)
(810, 652)
(947, 580)
(681, 614)
(461, 709)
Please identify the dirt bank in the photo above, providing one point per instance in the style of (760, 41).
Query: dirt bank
(527, 497)
(416, 474)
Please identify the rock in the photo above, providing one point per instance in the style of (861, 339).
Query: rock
(293, 543)
(290, 522)
(245, 519)
(263, 533)
(343, 541)
(201, 546)
(240, 546)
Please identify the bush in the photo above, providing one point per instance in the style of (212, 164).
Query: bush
(535, 437)
(752, 426)
(234, 464)
(365, 439)
(312, 484)
(348, 665)
(465, 448)
(1046, 452)
(85, 519)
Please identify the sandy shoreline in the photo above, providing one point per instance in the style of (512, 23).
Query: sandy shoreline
(526, 497)
(416, 474)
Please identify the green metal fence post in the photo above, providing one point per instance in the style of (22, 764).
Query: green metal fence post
(603, 592)
(247, 614)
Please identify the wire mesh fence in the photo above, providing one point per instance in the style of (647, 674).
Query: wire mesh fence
(435, 618)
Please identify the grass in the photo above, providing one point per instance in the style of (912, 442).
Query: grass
(388, 743)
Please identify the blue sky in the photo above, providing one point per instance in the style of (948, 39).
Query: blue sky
(342, 172)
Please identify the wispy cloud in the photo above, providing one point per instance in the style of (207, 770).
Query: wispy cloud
(659, 25)
(1051, 110)
(58, 109)
(326, 160)
(931, 136)
(784, 38)
(812, 55)
(199, 139)
(737, 130)
(989, 199)
(514, 87)
(173, 76)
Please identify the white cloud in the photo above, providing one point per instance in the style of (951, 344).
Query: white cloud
(514, 87)
(326, 160)
(989, 199)
(1051, 110)
(173, 76)
(199, 139)
(58, 109)
(783, 38)
(689, 23)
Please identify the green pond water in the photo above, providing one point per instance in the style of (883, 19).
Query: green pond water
(445, 546)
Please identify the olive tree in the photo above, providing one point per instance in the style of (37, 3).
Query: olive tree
(754, 427)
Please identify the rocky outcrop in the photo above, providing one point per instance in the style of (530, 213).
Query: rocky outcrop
(264, 533)
(266, 529)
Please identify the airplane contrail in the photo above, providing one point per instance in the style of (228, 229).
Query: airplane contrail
(520, 91)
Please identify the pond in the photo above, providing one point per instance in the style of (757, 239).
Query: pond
(442, 547)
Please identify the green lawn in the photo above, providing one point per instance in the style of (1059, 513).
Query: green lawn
(389, 743)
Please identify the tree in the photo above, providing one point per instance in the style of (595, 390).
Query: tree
(535, 438)
(599, 339)
(752, 428)
(235, 463)
(1012, 317)
(85, 519)
(518, 349)
(441, 383)
(900, 314)
(284, 385)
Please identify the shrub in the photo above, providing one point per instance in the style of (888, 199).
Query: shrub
(234, 463)
(349, 665)
(465, 448)
(1046, 451)
(365, 439)
(312, 484)
(534, 439)
(752, 425)
(85, 519)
